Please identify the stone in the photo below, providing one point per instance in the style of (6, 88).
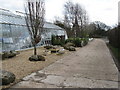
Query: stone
(53, 80)
(2, 56)
(48, 47)
(32, 84)
(82, 43)
(9, 54)
(78, 82)
(71, 48)
(67, 45)
(6, 77)
(37, 58)
(61, 51)
(54, 50)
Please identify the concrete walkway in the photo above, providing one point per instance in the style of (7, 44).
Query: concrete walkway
(91, 66)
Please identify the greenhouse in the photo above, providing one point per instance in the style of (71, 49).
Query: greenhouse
(14, 33)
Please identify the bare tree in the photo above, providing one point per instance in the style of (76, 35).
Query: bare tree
(35, 11)
(76, 17)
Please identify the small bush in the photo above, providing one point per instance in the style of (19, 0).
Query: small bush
(71, 40)
(56, 40)
(76, 41)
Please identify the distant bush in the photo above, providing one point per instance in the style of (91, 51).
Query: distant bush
(75, 41)
(57, 41)
(71, 40)
(78, 42)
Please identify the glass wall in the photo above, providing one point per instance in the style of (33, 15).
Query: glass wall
(14, 32)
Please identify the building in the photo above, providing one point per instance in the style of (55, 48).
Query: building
(14, 33)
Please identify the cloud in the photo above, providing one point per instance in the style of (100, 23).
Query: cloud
(12, 5)
(99, 10)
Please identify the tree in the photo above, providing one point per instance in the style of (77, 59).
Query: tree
(35, 11)
(64, 26)
(75, 17)
(97, 29)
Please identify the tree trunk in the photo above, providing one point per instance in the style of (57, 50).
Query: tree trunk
(35, 50)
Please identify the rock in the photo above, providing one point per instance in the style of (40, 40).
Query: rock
(70, 44)
(82, 43)
(48, 47)
(67, 45)
(37, 58)
(61, 51)
(2, 56)
(9, 54)
(71, 48)
(6, 77)
(54, 50)
(85, 43)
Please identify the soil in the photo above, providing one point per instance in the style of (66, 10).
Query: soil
(21, 66)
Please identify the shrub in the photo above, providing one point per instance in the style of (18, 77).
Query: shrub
(76, 41)
(57, 41)
(71, 40)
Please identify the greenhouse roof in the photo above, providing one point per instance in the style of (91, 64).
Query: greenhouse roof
(10, 18)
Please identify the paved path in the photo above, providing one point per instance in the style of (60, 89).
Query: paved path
(91, 66)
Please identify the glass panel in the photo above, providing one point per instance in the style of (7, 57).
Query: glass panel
(8, 40)
(6, 30)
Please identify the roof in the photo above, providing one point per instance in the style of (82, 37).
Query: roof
(52, 26)
(11, 18)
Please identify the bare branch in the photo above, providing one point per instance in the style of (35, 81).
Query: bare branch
(34, 17)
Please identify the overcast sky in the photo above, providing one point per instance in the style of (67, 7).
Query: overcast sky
(105, 11)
